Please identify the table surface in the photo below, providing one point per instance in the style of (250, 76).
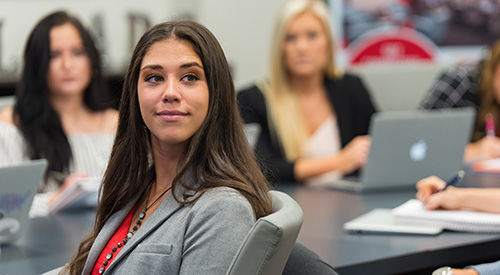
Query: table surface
(325, 212)
(51, 241)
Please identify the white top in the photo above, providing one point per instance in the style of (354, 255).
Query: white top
(90, 151)
(324, 141)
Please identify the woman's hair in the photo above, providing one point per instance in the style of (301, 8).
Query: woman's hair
(487, 94)
(33, 114)
(281, 99)
(218, 154)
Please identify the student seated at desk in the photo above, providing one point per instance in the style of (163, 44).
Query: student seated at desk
(453, 198)
(61, 109)
(475, 86)
(182, 188)
(313, 119)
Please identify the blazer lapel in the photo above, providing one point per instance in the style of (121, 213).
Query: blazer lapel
(104, 235)
(340, 106)
(167, 207)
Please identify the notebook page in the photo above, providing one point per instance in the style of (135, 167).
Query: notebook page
(413, 211)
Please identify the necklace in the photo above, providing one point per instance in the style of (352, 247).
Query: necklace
(131, 233)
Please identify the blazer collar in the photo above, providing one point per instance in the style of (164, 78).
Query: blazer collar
(166, 208)
(337, 95)
(105, 234)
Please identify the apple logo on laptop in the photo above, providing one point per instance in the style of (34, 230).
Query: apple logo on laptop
(418, 150)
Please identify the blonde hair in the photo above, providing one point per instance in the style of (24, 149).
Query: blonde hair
(487, 93)
(282, 101)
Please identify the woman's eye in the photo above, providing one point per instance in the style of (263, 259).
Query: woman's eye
(290, 38)
(312, 34)
(153, 78)
(78, 52)
(190, 78)
(54, 54)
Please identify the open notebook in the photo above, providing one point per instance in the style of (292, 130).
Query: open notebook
(413, 212)
(412, 217)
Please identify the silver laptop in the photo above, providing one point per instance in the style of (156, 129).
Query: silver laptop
(410, 145)
(18, 186)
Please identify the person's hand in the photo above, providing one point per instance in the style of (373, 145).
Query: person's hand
(486, 148)
(447, 199)
(70, 180)
(429, 192)
(355, 154)
(428, 186)
(468, 271)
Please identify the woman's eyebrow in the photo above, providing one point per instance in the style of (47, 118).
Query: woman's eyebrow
(191, 64)
(153, 67)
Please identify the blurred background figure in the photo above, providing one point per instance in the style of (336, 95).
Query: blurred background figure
(475, 86)
(312, 118)
(61, 109)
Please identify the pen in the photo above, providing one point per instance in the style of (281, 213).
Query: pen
(490, 125)
(458, 177)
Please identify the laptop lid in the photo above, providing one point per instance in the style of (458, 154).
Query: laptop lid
(410, 145)
(18, 186)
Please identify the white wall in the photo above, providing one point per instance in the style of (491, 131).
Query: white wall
(6, 101)
(243, 27)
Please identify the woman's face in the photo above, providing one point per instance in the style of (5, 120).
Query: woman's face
(172, 92)
(305, 47)
(70, 66)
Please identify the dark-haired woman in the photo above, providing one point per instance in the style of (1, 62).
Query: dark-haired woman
(61, 109)
(182, 188)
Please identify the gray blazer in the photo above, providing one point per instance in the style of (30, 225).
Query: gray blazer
(200, 238)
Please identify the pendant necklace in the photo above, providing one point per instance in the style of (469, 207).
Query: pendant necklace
(131, 233)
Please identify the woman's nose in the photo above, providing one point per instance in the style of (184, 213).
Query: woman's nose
(171, 93)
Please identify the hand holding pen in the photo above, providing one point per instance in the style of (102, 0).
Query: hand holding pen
(431, 191)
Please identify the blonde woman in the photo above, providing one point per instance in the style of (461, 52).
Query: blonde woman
(313, 118)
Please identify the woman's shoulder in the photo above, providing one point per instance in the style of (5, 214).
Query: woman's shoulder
(109, 121)
(345, 79)
(6, 115)
(225, 197)
(223, 192)
(250, 94)
(348, 84)
(252, 105)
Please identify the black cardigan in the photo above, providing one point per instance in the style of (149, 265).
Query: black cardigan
(350, 100)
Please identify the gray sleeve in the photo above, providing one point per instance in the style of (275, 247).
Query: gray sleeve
(218, 225)
(487, 269)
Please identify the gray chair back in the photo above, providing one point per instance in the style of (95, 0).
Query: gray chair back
(267, 246)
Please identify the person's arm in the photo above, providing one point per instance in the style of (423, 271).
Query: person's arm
(365, 107)
(12, 146)
(482, 269)
(478, 199)
(349, 159)
(218, 224)
(485, 148)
